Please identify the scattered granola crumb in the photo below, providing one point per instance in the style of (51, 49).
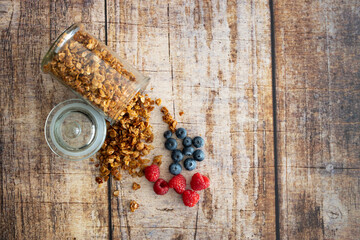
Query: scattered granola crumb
(158, 101)
(99, 180)
(136, 186)
(157, 160)
(181, 113)
(164, 110)
(116, 193)
(167, 118)
(133, 206)
(92, 160)
(152, 89)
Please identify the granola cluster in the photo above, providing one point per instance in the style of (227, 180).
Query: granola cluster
(87, 67)
(157, 160)
(127, 141)
(136, 186)
(133, 205)
(167, 118)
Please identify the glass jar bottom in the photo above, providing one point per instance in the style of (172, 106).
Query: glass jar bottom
(74, 130)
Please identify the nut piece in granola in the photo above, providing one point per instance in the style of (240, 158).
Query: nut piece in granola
(133, 205)
(116, 193)
(136, 186)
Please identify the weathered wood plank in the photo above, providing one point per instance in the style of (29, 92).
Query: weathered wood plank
(42, 196)
(318, 111)
(210, 59)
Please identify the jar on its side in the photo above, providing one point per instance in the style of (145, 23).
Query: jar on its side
(95, 73)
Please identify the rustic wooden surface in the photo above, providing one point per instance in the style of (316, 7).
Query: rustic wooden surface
(205, 61)
(212, 60)
(42, 196)
(318, 117)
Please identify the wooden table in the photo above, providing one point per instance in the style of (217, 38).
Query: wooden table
(274, 87)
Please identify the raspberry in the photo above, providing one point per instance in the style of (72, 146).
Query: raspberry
(161, 187)
(199, 182)
(178, 183)
(152, 173)
(190, 198)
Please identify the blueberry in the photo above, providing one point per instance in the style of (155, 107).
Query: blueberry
(175, 168)
(198, 142)
(177, 155)
(180, 133)
(188, 151)
(167, 134)
(199, 155)
(190, 164)
(187, 142)
(171, 144)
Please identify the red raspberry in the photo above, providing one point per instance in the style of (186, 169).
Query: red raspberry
(152, 173)
(178, 183)
(190, 198)
(161, 187)
(199, 182)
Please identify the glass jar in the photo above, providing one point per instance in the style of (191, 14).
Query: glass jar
(100, 78)
(74, 130)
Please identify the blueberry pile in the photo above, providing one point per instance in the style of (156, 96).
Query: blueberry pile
(195, 155)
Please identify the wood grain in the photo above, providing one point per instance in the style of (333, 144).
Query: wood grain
(210, 59)
(42, 196)
(318, 111)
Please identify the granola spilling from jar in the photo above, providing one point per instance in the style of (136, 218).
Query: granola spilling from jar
(86, 66)
(128, 141)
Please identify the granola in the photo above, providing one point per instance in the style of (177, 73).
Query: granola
(158, 101)
(157, 160)
(136, 186)
(133, 205)
(86, 66)
(167, 118)
(128, 141)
